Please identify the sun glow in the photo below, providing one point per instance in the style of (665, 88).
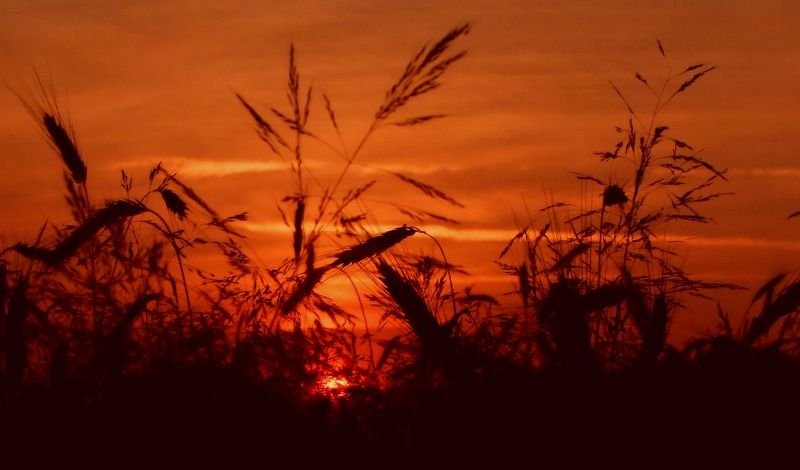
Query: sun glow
(333, 386)
(334, 383)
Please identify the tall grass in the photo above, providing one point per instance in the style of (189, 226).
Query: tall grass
(605, 280)
(110, 308)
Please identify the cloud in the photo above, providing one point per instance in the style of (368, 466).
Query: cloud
(742, 242)
(206, 168)
(499, 235)
(190, 167)
(778, 172)
(406, 168)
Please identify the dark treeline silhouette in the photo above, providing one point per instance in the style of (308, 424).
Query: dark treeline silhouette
(113, 342)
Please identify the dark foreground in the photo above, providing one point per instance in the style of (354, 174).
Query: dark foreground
(731, 408)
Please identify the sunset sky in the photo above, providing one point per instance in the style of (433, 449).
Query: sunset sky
(147, 81)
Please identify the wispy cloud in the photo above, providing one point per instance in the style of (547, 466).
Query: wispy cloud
(438, 231)
(742, 242)
(497, 235)
(410, 168)
(205, 168)
(190, 167)
(778, 172)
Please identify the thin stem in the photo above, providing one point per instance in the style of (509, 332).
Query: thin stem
(329, 196)
(363, 317)
(177, 250)
(449, 274)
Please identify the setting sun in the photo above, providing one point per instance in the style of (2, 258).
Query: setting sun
(334, 387)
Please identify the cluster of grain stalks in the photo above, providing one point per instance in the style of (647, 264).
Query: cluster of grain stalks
(600, 284)
(345, 211)
(110, 308)
(115, 290)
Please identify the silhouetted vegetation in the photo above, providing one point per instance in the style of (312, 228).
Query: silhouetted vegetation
(110, 332)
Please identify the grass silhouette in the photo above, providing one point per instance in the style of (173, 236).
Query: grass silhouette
(109, 331)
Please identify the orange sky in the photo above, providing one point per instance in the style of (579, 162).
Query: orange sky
(148, 80)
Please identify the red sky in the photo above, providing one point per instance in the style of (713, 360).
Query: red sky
(150, 81)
